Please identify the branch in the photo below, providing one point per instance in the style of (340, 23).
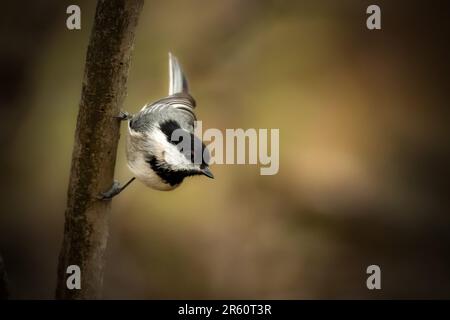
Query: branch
(94, 152)
(4, 293)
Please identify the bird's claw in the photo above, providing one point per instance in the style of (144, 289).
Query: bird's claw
(123, 115)
(113, 191)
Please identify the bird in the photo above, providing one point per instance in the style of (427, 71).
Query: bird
(161, 148)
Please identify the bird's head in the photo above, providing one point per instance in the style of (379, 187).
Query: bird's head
(180, 154)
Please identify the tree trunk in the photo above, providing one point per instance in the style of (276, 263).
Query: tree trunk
(4, 293)
(94, 152)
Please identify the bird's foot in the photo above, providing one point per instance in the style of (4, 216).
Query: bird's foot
(123, 115)
(115, 189)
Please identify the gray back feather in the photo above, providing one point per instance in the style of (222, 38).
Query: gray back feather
(179, 105)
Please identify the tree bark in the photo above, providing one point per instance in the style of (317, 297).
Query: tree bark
(94, 152)
(4, 293)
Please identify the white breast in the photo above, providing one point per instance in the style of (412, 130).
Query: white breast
(143, 172)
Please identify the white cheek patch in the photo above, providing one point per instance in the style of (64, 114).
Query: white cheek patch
(174, 157)
(170, 153)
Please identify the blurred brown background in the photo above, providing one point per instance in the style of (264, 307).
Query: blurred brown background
(364, 153)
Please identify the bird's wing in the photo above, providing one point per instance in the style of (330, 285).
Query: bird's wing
(178, 107)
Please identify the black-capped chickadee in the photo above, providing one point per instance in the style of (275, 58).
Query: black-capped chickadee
(162, 149)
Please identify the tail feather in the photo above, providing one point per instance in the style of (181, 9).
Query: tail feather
(177, 79)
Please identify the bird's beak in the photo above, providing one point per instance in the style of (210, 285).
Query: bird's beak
(207, 173)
